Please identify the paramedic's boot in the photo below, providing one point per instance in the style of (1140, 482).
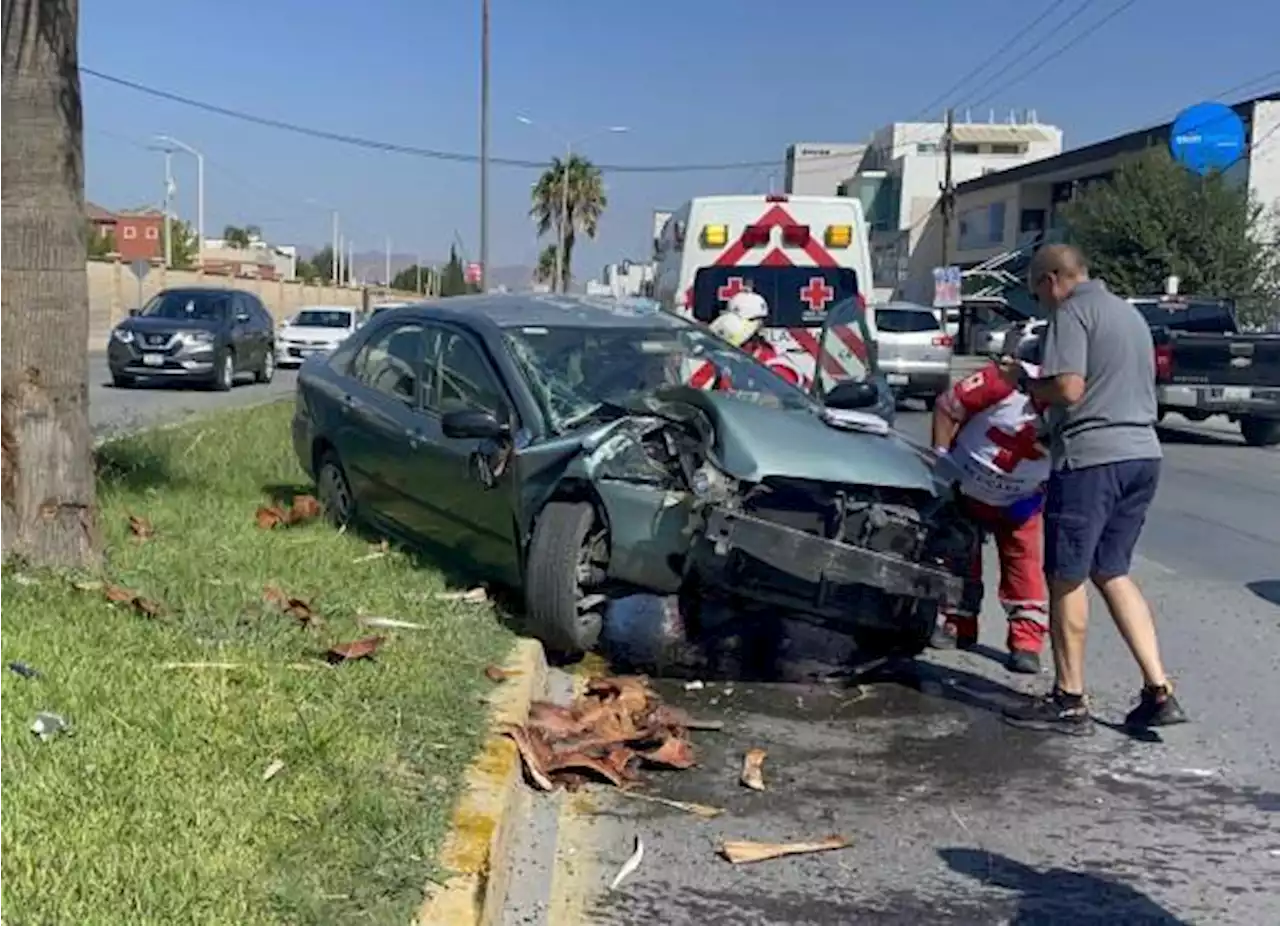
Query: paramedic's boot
(955, 632)
(1025, 642)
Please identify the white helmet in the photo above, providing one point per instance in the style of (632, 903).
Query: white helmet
(748, 305)
(734, 328)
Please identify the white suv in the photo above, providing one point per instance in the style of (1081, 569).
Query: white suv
(913, 349)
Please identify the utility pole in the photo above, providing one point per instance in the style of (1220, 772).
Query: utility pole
(386, 272)
(417, 266)
(948, 212)
(168, 209)
(337, 260)
(484, 144)
(351, 257)
(335, 250)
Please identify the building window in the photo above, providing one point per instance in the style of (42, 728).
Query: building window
(926, 147)
(981, 227)
(965, 147)
(130, 232)
(153, 234)
(1006, 149)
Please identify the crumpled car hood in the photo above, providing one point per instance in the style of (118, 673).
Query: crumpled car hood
(754, 442)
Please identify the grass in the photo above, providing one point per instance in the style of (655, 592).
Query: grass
(153, 810)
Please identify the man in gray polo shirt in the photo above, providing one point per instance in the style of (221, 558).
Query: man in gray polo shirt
(1098, 380)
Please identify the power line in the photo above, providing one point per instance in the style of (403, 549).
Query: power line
(1025, 53)
(1061, 50)
(990, 59)
(412, 150)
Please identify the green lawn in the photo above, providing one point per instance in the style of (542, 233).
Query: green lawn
(154, 809)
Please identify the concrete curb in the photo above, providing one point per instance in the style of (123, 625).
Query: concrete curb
(478, 847)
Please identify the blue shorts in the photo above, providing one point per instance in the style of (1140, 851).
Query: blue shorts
(1093, 517)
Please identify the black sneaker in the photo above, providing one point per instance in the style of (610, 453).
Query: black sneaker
(1056, 712)
(1024, 662)
(1157, 708)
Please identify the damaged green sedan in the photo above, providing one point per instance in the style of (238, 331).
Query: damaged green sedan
(554, 442)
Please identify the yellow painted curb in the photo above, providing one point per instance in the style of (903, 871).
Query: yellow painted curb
(477, 848)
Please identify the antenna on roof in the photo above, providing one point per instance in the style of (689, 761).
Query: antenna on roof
(991, 116)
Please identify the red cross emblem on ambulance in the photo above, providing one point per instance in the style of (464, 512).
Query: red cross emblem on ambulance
(731, 288)
(817, 293)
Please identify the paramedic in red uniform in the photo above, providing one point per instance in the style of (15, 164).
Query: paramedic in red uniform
(985, 434)
(740, 325)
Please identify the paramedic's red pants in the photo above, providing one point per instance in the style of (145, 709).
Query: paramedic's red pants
(1023, 592)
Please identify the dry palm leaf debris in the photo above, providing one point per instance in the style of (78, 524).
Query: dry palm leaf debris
(304, 508)
(143, 606)
(609, 733)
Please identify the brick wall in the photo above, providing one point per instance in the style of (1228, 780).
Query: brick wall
(113, 291)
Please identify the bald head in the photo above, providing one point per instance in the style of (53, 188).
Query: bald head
(1055, 271)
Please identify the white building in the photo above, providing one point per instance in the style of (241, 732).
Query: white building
(900, 178)
(818, 169)
(623, 280)
(998, 214)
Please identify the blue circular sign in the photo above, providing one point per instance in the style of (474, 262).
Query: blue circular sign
(1207, 137)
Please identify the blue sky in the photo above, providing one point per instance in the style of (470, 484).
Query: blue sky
(695, 81)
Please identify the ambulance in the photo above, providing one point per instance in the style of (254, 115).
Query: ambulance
(803, 254)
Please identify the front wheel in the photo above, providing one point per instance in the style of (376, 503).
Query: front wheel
(1260, 432)
(224, 371)
(904, 642)
(567, 556)
(122, 380)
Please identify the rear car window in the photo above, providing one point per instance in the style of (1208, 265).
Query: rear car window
(798, 297)
(906, 321)
(1204, 316)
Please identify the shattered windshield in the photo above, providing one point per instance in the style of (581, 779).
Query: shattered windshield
(578, 371)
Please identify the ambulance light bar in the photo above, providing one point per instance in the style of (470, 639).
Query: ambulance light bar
(838, 236)
(715, 236)
(755, 236)
(775, 198)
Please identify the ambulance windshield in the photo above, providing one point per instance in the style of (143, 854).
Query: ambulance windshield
(575, 371)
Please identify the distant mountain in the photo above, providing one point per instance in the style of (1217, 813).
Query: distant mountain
(371, 266)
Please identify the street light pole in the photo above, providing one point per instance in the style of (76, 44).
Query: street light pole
(168, 210)
(484, 144)
(333, 252)
(169, 139)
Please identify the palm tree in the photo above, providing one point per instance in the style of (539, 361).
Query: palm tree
(47, 486)
(546, 270)
(236, 237)
(586, 202)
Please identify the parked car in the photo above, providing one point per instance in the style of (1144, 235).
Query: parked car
(316, 329)
(552, 440)
(913, 349)
(379, 307)
(1205, 365)
(203, 334)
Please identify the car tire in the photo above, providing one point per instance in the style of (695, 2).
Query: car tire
(565, 538)
(224, 371)
(122, 380)
(333, 491)
(267, 371)
(1260, 432)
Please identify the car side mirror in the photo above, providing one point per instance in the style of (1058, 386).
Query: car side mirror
(850, 396)
(134, 313)
(472, 423)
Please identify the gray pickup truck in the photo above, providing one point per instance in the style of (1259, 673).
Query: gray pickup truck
(1205, 365)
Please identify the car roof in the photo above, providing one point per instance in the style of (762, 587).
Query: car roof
(328, 308)
(520, 310)
(202, 291)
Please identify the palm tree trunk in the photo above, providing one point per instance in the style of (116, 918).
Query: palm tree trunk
(566, 273)
(47, 486)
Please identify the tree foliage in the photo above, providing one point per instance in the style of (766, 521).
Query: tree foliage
(240, 237)
(411, 279)
(546, 270)
(184, 250)
(453, 279)
(1156, 219)
(586, 202)
(99, 244)
(320, 267)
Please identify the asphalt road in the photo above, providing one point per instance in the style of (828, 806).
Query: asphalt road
(115, 411)
(956, 818)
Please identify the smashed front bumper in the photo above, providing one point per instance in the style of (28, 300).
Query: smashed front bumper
(782, 565)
